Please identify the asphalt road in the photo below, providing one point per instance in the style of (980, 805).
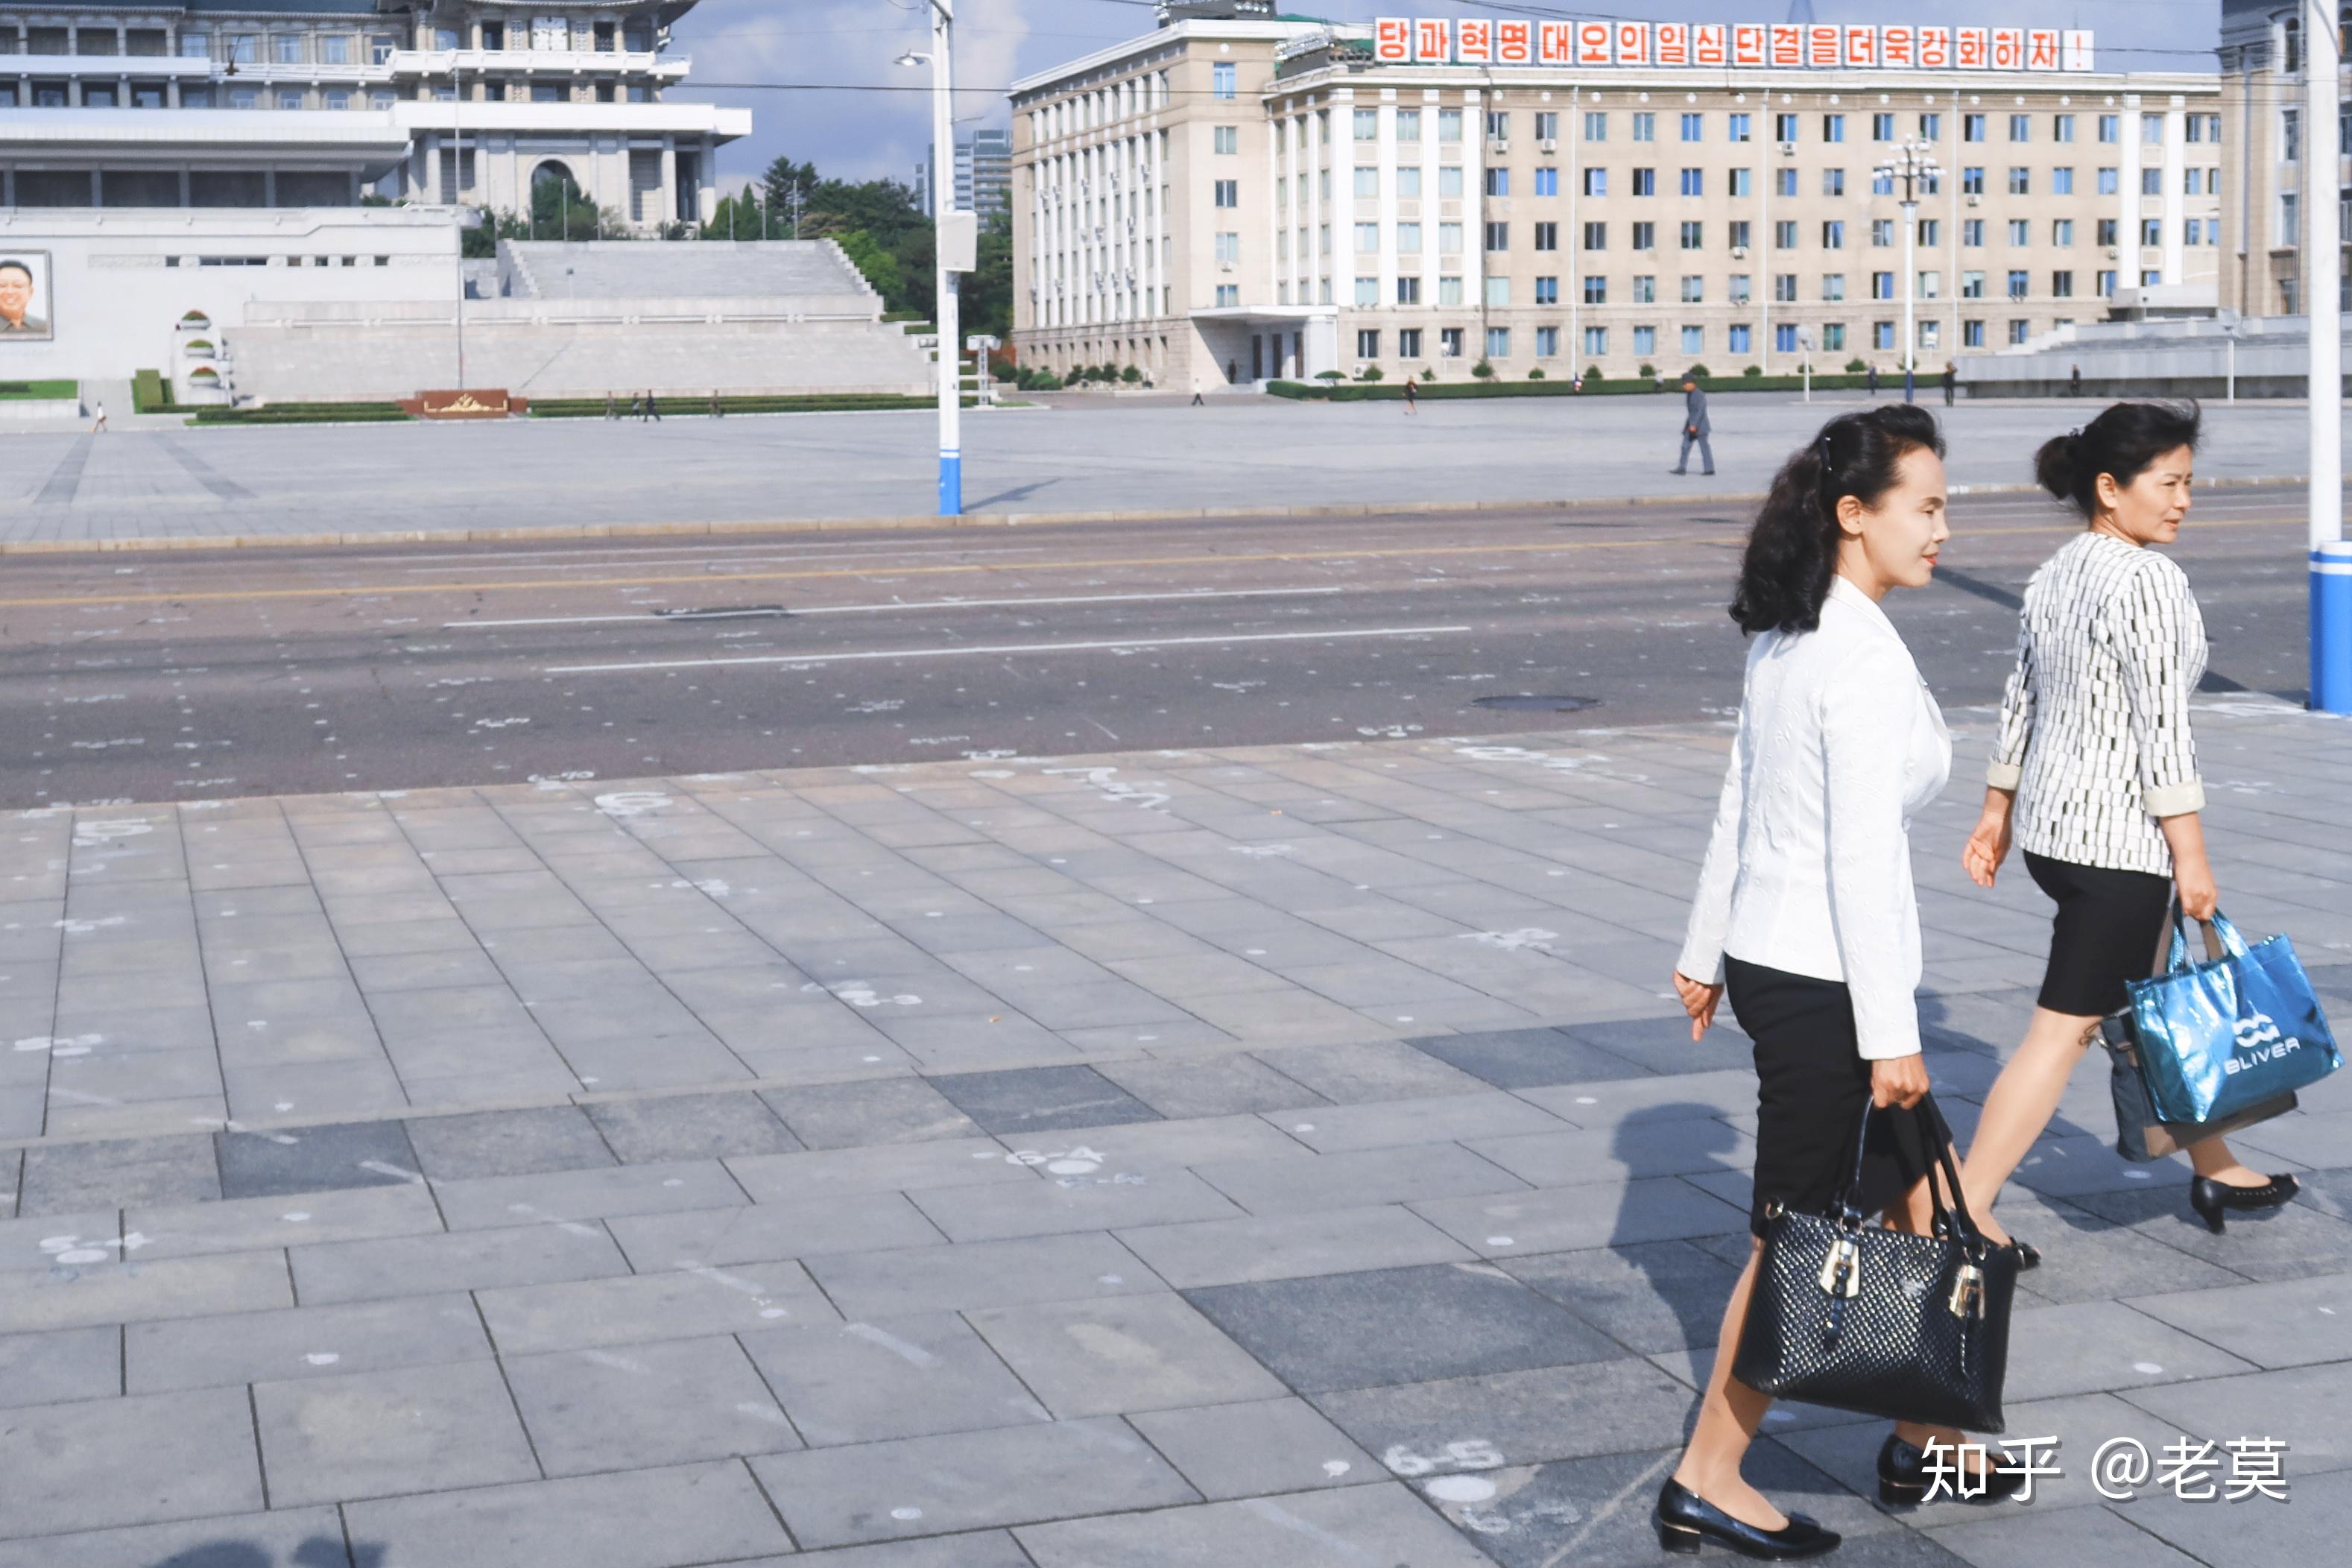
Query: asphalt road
(212, 675)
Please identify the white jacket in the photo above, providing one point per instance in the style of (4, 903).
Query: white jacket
(1809, 869)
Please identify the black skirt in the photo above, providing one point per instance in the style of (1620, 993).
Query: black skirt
(1811, 1083)
(2105, 933)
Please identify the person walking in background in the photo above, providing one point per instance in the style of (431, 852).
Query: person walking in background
(652, 413)
(1411, 397)
(2074, 381)
(2094, 773)
(1695, 428)
(100, 423)
(716, 411)
(1805, 913)
(610, 411)
(1197, 401)
(636, 406)
(1870, 376)
(1951, 381)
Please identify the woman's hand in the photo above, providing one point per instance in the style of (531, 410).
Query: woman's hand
(1699, 1001)
(1987, 846)
(1898, 1080)
(2199, 894)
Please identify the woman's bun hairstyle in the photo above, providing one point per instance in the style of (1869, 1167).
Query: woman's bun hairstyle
(2123, 443)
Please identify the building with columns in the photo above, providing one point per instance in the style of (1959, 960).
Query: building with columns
(273, 103)
(1236, 196)
(2263, 269)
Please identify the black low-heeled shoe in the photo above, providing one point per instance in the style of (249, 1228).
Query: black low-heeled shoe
(1686, 1520)
(2028, 1255)
(2212, 1200)
(1902, 1477)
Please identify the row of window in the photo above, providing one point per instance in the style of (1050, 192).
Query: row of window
(1594, 291)
(154, 95)
(1544, 181)
(1691, 234)
(1739, 338)
(1739, 126)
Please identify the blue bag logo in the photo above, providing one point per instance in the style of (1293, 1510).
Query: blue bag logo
(2258, 1041)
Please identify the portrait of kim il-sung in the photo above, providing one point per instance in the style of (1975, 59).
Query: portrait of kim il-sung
(24, 294)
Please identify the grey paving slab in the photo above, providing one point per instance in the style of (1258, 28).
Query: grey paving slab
(589, 1313)
(1256, 1448)
(1099, 1200)
(2086, 1258)
(2289, 1323)
(135, 1292)
(1023, 1101)
(1609, 1102)
(43, 1242)
(495, 1201)
(1115, 1354)
(875, 1379)
(1313, 1530)
(1398, 1325)
(1600, 1214)
(2089, 1535)
(2095, 1345)
(638, 1406)
(1151, 1147)
(315, 1159)
(2304, 1407)
(982, 1549)
(465, 1260)
(1292, 1184)
(244, 1224)
(1525, 1059)
(61, 1365)
(1350, 1074)
(951, 1163)
(378, 1433)
(2253, 1532)
(1648, 1295)
(507, 1142)
(104, 1462)
(1523, 1417)
(767, 1232)
(980, 1274)
(874, 1111)
(690, 1127)
(923, 1485)
(2279, 1243)
(1685, 1146)
(297, 1537)
(301, 1341)
(629, 1519)
(66, 1178)
(1441, 1119)
(1287, 1246)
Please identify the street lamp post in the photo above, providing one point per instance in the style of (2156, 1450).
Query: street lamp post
(2331, 554)
(950, 359)
(1912, 162)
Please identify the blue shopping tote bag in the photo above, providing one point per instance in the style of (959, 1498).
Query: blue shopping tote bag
(2217, 1037)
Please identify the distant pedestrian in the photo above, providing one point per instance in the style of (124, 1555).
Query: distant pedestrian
(636, 406)
(1197, 401)
(1695, 428)
(1575, 383)
(1411, 397)
(1951, 381)
(2074, 381)
(652, 412)
(610, 411)
(1870, 376)
(716, 411)
(98, 424)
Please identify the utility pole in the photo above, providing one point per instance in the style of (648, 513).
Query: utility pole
(2331, 555)
(458, 182)
(955, 236)
(1914, 163)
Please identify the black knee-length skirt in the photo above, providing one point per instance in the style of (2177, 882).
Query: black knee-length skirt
(1811, 1084)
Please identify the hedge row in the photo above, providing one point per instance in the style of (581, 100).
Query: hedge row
(686, 407)
(304, 414)
(1393, 391)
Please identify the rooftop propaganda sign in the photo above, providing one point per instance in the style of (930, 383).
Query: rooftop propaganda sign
(1481, 41)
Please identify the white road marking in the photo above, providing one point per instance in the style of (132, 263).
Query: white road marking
(644, 618)
(768, 553)
(999, 650)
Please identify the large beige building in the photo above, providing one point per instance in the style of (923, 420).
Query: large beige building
(2263, 106)
(1235, 196)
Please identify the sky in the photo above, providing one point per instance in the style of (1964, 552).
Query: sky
(774, 46)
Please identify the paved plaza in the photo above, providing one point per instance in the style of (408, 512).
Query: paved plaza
(1088, 454)
(1283, 1155)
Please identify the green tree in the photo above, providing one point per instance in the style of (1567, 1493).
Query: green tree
(987, 305)
(879, 266)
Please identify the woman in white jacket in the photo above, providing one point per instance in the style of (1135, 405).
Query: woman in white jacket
(1805, 909)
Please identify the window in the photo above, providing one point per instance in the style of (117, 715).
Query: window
(1645, 236)
(1972, 334)
(1972, 182)
(1596, 237)
(2061, 182)
(1498, 342)
(2193, 231)
(1499, 125)
(2151, 128)
(2107, 182)
(1547, 182)
(1784, 128)
(1225, 79)
(1694, 288)
(1832, 286)
(1499, 237)
(1694, 127)
(1784, 338)
(2189, 183)
(1742, 182)
(2019, 232)
(1547, 342)
(2151, 231)
(2108, 289)
(1229, 247)
(1645, 289)
(1596, 341)
(2020, 331)
(2108, 127)
(1972, 285)
(1407, 124)
(2020, 128)
(1881, 127)
(1547, 125)
(1408, 244)
(2104, 231)
(1736, 128)
(1737, 233)
(334, 49)
(1449, 238)
(1645, 126)
(1693, 235)
(1972, 232)
(1227, 139)
(1646, 340)
(335, 99)
(1834, 235)
(1737, 339)
(2020, 181)
(1882, 285)
(1931, 285)
(1408, 342)
(286, 48)
(1546, 237)
(1882, 334)
(1367, 238)
(1596, 291)
(1368, 342)
(1596, 126)
(288, 97)
(1596, 182)
(2062, 128)
(1449, 292)
(1784, 235)
(1408, 181)
(2062, 285)
(1449, 127)
(2151, 182)
(1229, 193)
(1449, 343)
(2018, 284)
(1694, 339)
(1784, 182)
(1368, 182)
(1881, 184)
(1499, 181)
(1739, 290)
(1931, 233)
(1407, 291)
(1973, 127)
(1931, 127)
(1645, 182)
(1228, 294)
(1367, 122)
(1832, 127)
(199, 46)
(1834, 336)
(2061, 231)
(1931, 334)
(1833, 181)
(1546, 291)
(1694, 182)
(244, 49)
(1449, 181)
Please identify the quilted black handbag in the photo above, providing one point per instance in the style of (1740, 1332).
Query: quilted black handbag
(1858, 1316)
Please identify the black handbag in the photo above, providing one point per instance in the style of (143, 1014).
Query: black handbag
(1858, 1316)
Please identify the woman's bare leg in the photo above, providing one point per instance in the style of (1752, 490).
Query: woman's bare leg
(1729, 1414)
(2024, 1098)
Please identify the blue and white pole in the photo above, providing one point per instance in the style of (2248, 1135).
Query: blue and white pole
(2331, 556)
(950, 353)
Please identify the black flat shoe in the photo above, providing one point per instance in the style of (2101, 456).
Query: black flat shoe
(2028, 1255)
(2212, 1200)
(1686, 1520)
(1902, 1477)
